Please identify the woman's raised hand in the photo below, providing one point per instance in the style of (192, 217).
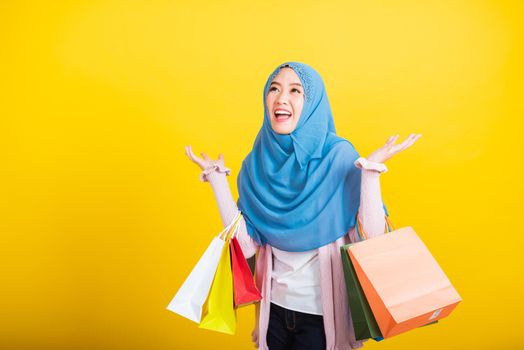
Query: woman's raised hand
(390, 149)
(206, 162)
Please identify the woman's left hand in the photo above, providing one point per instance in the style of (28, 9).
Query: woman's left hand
(390, 149)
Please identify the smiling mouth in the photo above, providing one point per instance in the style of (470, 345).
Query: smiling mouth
(281, 117)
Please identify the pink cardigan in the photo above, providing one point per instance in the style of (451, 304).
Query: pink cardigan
(338, 324)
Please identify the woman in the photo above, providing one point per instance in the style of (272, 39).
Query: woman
(300, 190)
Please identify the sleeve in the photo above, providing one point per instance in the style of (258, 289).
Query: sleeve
(372, 210)
(363, 163)
(228, 210)
(215, 167)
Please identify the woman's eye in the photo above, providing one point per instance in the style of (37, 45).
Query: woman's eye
(274, 88)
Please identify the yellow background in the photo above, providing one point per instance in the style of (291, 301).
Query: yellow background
(102, 215)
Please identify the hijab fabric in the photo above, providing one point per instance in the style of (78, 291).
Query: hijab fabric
(300, 191)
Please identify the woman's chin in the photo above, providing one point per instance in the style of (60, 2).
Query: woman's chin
(282, 129)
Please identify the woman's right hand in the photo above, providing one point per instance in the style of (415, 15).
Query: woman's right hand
(206, 162)
(254, 337)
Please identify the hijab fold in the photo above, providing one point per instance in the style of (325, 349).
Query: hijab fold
(300, 191)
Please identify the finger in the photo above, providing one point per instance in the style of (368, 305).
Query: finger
(189, 152)
(221, 156)
(413, 139)
(408, 140)
(392, 139)
(193, 157)
(407, 143)
(206, 157)
(400, 146)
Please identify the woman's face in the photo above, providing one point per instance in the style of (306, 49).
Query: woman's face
(285, 100)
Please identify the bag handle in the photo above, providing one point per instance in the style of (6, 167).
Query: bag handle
(226, 229)
(389, 224)
(360, 231)
(237, 226)
(230, 229)
(234, 230)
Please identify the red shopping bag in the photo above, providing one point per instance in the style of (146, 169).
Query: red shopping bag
(244, 290)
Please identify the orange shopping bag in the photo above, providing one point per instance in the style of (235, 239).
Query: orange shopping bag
(402, 281)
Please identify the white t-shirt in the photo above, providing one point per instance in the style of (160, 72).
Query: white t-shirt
(296, 281)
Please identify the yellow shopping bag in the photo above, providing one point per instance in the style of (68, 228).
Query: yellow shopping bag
(219, 312)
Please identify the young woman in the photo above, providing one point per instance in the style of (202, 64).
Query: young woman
(300, 190)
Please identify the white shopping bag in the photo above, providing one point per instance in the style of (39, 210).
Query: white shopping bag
(191, 296)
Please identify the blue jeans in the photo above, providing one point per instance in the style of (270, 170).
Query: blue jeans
(293, 330)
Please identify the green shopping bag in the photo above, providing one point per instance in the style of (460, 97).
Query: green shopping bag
(364, 322)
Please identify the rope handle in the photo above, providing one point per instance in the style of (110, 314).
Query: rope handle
(230, 229)
(225, 229)
(234, 231)
(363, 236)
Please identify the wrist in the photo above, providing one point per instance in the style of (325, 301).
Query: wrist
(212, 171)
(366, 164)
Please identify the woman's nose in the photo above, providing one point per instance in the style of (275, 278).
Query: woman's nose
(282, 98)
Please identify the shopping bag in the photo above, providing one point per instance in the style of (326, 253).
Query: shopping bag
(219, 311)
(364, 323)
(191, 296)
(403, 284)
(244, 289)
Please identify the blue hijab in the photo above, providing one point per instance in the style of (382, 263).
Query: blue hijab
(300, 191)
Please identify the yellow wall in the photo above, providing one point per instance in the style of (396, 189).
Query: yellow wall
(102, 215)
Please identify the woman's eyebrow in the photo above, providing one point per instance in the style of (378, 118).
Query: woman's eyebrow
(274, 82)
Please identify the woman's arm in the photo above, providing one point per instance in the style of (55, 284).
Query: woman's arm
(228, 208)
(215, 172)
(371, 210)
